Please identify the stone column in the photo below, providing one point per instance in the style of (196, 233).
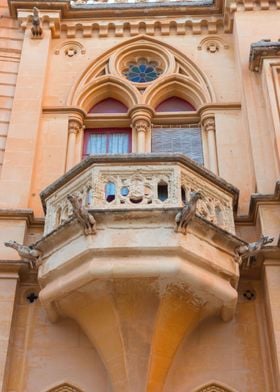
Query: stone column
(141, 116)
(74, 127)
(208, 124)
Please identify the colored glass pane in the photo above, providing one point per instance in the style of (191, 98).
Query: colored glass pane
(142, 72)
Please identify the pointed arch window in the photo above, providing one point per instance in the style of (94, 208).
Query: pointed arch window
(111, 140)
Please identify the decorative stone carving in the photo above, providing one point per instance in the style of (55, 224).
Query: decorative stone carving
(245, 253)
(142, 126)
(85, 219)
(209, 124)
(70, 48)
(27, 253)
(260, 50)
(74, 126)
(184, 217)
(212, 44)
(36, 29)
(123, 186)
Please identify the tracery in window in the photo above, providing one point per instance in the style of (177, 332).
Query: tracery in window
(142, 71)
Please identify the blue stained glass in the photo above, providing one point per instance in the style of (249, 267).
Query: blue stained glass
(141, 73)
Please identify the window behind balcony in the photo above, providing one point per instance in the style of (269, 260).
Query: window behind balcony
(178, 140)
(107, 141)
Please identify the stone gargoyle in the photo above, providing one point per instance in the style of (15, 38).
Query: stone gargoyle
(184, 217)
(36, 28)
(85, 219)
(245, 253)
(27, 253)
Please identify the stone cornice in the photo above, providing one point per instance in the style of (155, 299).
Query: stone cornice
(70, 10)
(258, 199)
(21, 214)
(246, 5)
(262, 50)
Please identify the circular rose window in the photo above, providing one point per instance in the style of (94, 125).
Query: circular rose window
(142, 71)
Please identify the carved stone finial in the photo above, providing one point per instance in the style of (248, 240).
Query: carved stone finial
(36, 29)
(85, 219)
(27, 253)
(184, 217)
(244, 253)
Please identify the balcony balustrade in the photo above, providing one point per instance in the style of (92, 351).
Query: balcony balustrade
(140, 182)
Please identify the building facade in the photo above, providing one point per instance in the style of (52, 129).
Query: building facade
(139, 196)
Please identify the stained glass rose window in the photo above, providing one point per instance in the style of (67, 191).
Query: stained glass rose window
(142, 71)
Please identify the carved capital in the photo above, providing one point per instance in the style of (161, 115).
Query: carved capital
(142, 125)
(208, 123)
(74, 126)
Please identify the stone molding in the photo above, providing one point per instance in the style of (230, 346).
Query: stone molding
(262, 50)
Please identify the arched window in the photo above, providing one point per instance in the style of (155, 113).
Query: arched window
(109, 140)
(109, 105)
(177, 137)
(175, 104)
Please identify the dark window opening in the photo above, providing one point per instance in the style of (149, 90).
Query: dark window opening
(110, 192)
(162, 191)
(183, 195)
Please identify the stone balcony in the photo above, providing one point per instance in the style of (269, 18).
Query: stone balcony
(135, 286)
(136, 182)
